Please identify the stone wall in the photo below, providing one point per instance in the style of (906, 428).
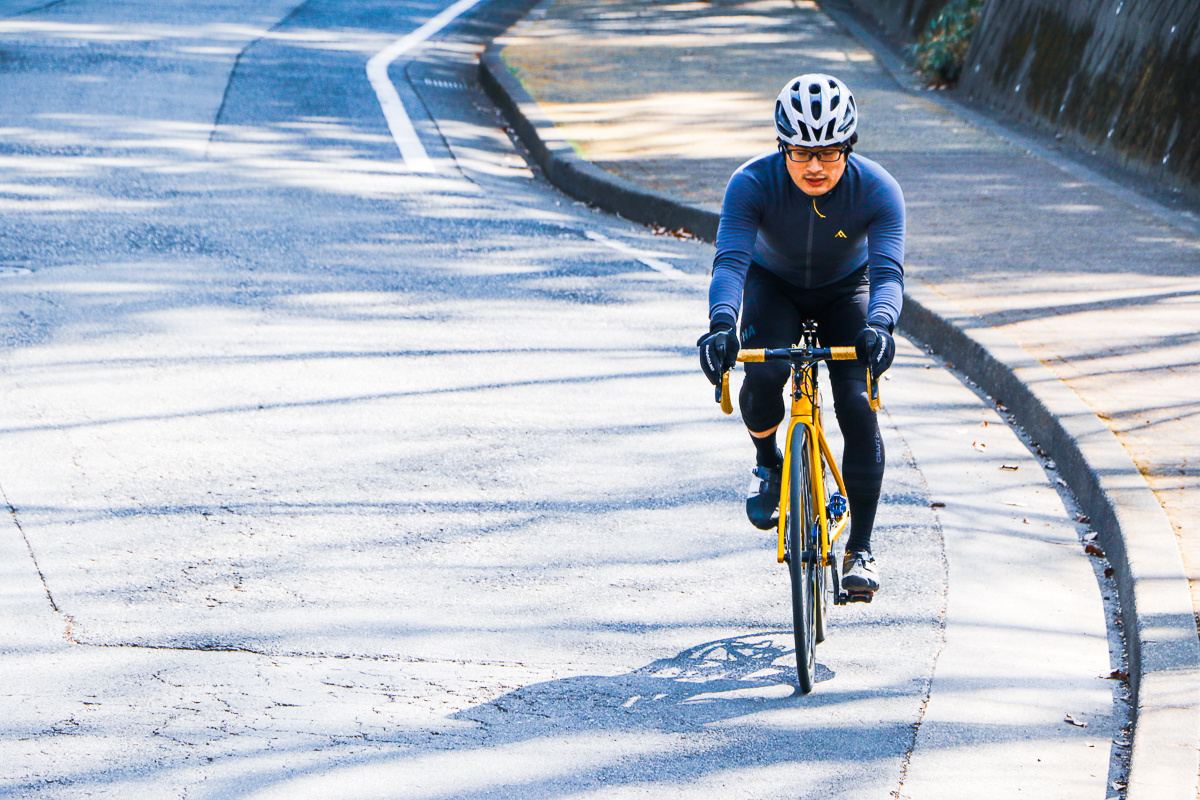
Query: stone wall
(902, 20)
(1120, 78)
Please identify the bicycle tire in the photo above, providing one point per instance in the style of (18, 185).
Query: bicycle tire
(803, 558)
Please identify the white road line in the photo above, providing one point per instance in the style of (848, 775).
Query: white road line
(411, 149)
(653, 263)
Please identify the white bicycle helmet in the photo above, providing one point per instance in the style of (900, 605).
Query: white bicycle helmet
(815, 110)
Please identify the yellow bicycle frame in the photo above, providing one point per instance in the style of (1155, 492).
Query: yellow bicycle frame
(807, 413)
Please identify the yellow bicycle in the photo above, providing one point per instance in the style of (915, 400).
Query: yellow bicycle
(813, 511)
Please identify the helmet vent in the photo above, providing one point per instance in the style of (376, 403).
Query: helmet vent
(782, 125)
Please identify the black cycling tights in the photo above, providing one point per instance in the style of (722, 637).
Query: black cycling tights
(772, 312)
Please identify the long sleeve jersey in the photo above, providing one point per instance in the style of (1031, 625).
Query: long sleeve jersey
(811, 241)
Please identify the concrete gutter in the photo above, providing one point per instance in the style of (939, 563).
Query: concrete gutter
(1156, 608)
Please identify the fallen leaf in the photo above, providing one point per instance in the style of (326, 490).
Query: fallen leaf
(1108, 572)
(1084, 518)
(978, 446)
(1119, 675)
(1006, 466)
(1093, 550)
(1075, 722)
(678, 233)
(937, 504)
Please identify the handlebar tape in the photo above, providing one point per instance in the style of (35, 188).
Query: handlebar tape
(843, 353)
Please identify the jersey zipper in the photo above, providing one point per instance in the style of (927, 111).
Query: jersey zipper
(812, 220)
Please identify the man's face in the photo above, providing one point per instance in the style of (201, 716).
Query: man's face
(814, 176)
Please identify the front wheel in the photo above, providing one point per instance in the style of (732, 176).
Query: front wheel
(803, 556)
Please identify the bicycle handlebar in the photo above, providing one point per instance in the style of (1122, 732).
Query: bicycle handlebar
(800, 356)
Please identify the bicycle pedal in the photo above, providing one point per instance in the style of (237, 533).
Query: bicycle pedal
(859, 597)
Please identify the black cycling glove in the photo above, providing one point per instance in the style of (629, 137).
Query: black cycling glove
(718, 348)
(875, 348)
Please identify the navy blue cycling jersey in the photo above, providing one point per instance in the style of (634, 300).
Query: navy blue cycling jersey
(811, 241)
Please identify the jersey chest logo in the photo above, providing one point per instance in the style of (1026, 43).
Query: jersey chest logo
(839, 235)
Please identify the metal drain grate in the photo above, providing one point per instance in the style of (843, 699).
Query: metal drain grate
(444, 84)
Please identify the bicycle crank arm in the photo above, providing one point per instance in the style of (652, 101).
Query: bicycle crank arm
(842, 597)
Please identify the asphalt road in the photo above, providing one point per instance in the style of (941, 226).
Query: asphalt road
(329, 477)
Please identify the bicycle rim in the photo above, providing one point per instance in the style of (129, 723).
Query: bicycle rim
(802, 569)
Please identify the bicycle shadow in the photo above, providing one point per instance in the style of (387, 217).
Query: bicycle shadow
(706, 683)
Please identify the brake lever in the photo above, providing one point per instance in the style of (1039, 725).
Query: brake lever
(723, 393)
(873, 390)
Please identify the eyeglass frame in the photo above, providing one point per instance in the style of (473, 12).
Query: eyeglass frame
(790, 154)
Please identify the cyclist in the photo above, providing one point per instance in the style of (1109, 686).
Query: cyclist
(811, 232)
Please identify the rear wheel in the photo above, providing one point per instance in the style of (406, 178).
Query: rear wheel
(820, 590)
(803, 559)
(824, 587)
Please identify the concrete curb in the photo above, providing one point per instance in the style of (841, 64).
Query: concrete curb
(575, 176)
(1156, 608)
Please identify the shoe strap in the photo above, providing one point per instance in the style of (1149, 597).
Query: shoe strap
(860, 556)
